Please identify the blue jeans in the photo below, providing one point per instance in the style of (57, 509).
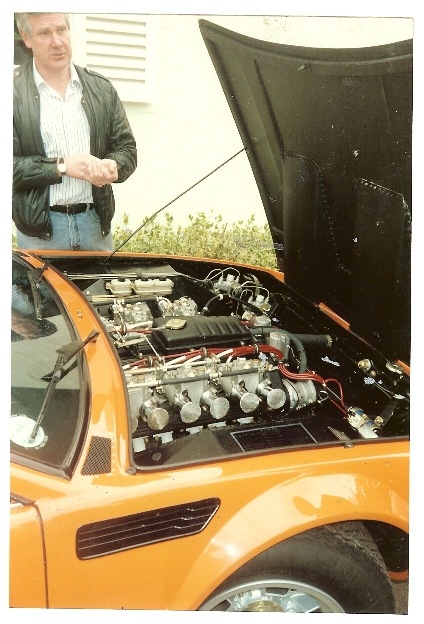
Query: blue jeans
(80, 232)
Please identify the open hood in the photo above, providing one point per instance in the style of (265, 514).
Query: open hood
(328, 134)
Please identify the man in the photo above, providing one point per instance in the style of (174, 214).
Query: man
(71, 141)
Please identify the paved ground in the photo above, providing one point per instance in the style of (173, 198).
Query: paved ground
(401, 597)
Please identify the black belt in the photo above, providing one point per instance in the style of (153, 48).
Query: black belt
(72, 209)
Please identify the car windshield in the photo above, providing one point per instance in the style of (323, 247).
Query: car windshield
(39, 329)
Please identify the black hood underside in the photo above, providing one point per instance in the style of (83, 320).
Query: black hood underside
(328, 133)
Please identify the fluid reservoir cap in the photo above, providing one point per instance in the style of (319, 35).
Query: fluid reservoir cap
(249, 402)
(219, 408)
(121, 286)
(175, 323)
(158, 418)
(21, 428)
(190, 412)
(276, 398)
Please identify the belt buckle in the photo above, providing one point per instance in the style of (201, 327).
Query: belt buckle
(87, 208)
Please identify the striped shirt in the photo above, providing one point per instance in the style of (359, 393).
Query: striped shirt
(65, 132)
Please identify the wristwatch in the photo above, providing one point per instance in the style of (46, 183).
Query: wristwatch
(61, 166)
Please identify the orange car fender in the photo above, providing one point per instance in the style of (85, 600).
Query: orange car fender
(297, 505)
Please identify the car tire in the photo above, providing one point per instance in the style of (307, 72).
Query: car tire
(335, 568)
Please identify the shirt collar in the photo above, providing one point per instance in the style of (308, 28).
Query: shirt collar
(39, 80)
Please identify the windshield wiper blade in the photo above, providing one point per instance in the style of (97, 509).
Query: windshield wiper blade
(65, 353)
(34, 277)
(37, 273)
(65, 371)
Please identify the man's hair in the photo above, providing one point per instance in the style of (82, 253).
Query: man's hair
(23, 23)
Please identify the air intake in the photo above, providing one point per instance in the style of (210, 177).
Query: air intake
(99, 457)
(110, 536)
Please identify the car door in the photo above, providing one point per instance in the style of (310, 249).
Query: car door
(27, 587)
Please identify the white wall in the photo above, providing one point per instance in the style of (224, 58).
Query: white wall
(188, 129)
(186, 132)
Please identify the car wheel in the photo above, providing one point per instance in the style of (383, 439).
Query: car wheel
(336, 568)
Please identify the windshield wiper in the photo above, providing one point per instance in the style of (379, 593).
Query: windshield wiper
(34, 277)
(65, 353)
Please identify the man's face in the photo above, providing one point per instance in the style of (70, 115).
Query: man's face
(50, 42)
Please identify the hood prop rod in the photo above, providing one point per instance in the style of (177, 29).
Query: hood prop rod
(172, 201)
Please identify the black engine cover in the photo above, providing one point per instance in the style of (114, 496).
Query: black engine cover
(199, 331)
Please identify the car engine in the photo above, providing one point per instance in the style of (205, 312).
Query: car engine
(232, 362)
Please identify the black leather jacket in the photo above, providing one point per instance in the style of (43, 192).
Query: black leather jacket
(33, 172)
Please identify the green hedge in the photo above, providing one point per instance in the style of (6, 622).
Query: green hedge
(206, 236)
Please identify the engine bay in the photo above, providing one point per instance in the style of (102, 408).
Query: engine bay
(219, 360)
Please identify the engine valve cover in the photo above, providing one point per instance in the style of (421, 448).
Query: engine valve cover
(200, 331)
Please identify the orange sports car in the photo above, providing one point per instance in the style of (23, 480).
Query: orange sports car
(192, 434)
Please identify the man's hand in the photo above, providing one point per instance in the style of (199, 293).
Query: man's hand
(112, 166)
(92, 169)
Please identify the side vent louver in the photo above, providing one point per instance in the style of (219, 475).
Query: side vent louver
(99, 457)
(111, 536)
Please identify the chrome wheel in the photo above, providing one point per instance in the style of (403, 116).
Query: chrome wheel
(334, 568)
(273, 595)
